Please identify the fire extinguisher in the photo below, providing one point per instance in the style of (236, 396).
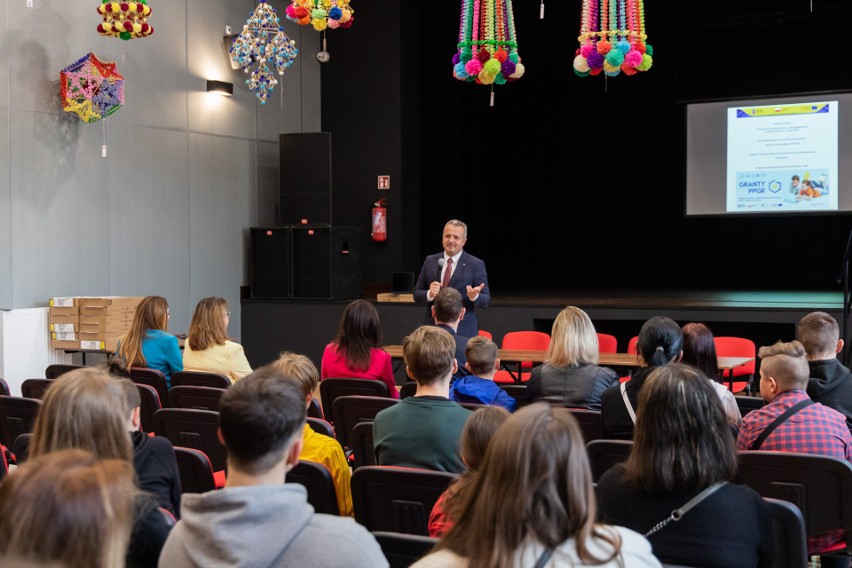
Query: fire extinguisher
(379, 221)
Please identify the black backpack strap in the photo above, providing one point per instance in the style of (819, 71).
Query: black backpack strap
(778, 421)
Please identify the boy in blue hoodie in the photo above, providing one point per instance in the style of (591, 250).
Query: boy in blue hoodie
(480, 388)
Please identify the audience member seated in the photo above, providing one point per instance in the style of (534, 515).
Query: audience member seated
(448, 311)
(153, 456)
(424, 430)
(531, 503)
(478, 431)
(147, 344)
(660, 342)
(317, 447)
(699, 351)
(257, 519)
(570, 375)
(86, 409)
(207, 347)
(683, 448)
(812, 429)
(356, 351)
(479, 386)
(830, 382)
(67, 508)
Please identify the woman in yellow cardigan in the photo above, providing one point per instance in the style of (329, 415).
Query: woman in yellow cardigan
(207, 345)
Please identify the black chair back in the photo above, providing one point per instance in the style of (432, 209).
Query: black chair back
(332, 388)
(349, 410)
(397, 499)
(154, 378)
(55, 370)
(35, 388)
(402, 550)
(315, 409)
(590, 422)
(150, 403)
(320, 426)
(192, 396)
(320, 485)
(408, 389)
(820, 486)
(603, 454)
(518, 392)
(361, 444)
(192, 428)
(4, 388)
(21, 447)
(748, 403)
(195, 470)
(17, 416)
(200, 379)
(791, 547)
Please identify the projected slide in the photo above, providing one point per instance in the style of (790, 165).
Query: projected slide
(782, 158)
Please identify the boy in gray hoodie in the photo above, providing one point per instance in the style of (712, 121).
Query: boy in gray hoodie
(257, 520)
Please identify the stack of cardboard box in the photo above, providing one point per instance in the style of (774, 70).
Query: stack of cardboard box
(64, 322)
(90, 322)
(104, 320)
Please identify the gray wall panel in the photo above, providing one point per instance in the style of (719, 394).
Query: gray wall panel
(6, 298)
(221, 193)
(4, 54)
(149, 219)
(60, 238)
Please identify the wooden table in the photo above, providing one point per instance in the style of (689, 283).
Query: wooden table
(726, 364)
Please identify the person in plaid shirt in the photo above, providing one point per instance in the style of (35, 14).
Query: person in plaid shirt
(815, 429)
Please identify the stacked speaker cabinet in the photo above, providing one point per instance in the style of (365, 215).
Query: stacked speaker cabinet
(305, 172)
(326, 262)
(306, 262)
(270, 262)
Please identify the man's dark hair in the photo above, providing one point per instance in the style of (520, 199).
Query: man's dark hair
(259, 416)
(448, 305)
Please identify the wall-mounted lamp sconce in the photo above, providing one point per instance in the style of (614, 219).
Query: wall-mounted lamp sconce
(220, 87)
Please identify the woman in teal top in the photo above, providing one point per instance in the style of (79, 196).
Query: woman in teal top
(147, 344)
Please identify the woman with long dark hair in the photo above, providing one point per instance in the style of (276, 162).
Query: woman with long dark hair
(699, 351)
(356, 351)
(683, 450)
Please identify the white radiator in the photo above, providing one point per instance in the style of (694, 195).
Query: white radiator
(25, 350)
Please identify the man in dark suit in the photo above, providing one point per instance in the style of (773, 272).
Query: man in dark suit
(456, 269)
(448, 313)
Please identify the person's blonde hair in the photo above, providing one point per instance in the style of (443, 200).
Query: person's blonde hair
(573, 340)
(786, 363)
(84, 408)
(540, 449)
(429, 353)
(151, 313)
(67, 506)
(207, 328)
(300, 368)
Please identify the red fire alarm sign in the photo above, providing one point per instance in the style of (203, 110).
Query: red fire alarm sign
(384, 182)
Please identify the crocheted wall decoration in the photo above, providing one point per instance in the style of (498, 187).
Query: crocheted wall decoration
(125, 20)
(612, 39)
(90, 88)
(263, 43)
(488, 47)
(321, 14)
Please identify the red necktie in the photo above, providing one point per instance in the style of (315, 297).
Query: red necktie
(448, 272)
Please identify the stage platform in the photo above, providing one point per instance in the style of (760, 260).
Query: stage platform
(306, 326)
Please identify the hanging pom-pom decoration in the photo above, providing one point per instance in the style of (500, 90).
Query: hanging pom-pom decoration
(321, 14)
(125, 20)
(612, 39)
(488, 48)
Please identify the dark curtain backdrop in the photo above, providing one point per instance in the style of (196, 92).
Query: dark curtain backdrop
(571, 182)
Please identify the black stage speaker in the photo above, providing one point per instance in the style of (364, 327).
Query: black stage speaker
(326, 262)
(270, 262)
(305, 171)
